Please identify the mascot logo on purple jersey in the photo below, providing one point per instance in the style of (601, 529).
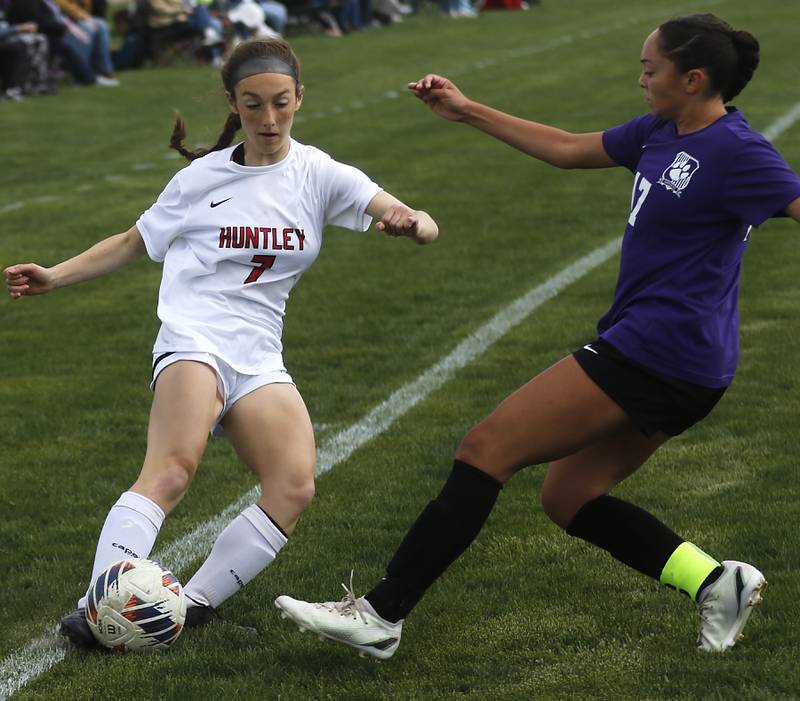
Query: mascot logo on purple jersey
(676, 177)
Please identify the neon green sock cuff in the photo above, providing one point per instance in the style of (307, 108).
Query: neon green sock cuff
(687, 568)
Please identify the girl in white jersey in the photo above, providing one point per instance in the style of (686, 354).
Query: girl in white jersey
(235, 231)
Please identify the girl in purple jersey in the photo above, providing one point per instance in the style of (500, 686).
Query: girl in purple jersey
(666, 352)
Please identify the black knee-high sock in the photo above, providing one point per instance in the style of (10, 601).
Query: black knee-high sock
(632, 535)
(443, 530)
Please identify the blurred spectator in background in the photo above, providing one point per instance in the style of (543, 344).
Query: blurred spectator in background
(505, 4)
(99, 8)
(321, 12)
(210, 28)
(151, 27)
(131, 23)
(169, 19)
(348, 15)
(368, 18)
(43, 13)
(276, 14)
(249, 20)
(389, 11)
(87, 44)
(13, 60)
(463, 8)
(50, 21)
(24, 59)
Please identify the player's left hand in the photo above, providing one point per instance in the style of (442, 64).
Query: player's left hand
(399, 220)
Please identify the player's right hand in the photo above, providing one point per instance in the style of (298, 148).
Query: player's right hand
(27, 279)
(442, 96)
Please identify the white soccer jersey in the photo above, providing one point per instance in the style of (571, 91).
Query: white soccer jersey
(235, 239)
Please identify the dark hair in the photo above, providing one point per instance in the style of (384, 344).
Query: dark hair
(706, 41)
(246, 50)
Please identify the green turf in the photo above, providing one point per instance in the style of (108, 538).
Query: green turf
(528, 613)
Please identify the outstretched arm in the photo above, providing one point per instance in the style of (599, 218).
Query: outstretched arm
(104, 257)
(396, 219)
(549, 144)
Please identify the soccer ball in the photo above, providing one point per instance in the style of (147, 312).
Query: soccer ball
(136, 605)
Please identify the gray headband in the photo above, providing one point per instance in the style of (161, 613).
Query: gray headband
(262, 64)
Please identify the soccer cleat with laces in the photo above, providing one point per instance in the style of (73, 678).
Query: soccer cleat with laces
(725, 605)
(75, 628)
(350, 621)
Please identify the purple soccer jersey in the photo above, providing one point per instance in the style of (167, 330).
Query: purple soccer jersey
(695, 199)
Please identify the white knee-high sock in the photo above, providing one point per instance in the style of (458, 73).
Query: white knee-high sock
(130, 530)
(246, 546)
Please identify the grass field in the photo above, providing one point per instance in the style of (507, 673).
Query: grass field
(527, 613)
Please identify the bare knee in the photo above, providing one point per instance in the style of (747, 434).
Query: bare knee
(483, 448)
(299, 486)
(167, 483)
(285, 497)
(477, 446)
(300, 492)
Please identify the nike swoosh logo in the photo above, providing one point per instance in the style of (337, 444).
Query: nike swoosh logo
(381, 644)
(588, 347)
(217, 204)
(739, 589)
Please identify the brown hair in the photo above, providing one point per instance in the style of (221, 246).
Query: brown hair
(246, 50)
(705, 41)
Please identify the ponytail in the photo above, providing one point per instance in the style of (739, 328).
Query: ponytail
(730, 57)
(747, 49)
(225, 139)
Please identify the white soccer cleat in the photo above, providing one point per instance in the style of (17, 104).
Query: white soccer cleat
(350, 621)
(725, 605)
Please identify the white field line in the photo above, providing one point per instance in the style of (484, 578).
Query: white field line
(500, 57)
(12, 206)
(36, 658)
(780, 125)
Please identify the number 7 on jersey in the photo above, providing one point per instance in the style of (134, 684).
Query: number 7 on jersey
(264, 263)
